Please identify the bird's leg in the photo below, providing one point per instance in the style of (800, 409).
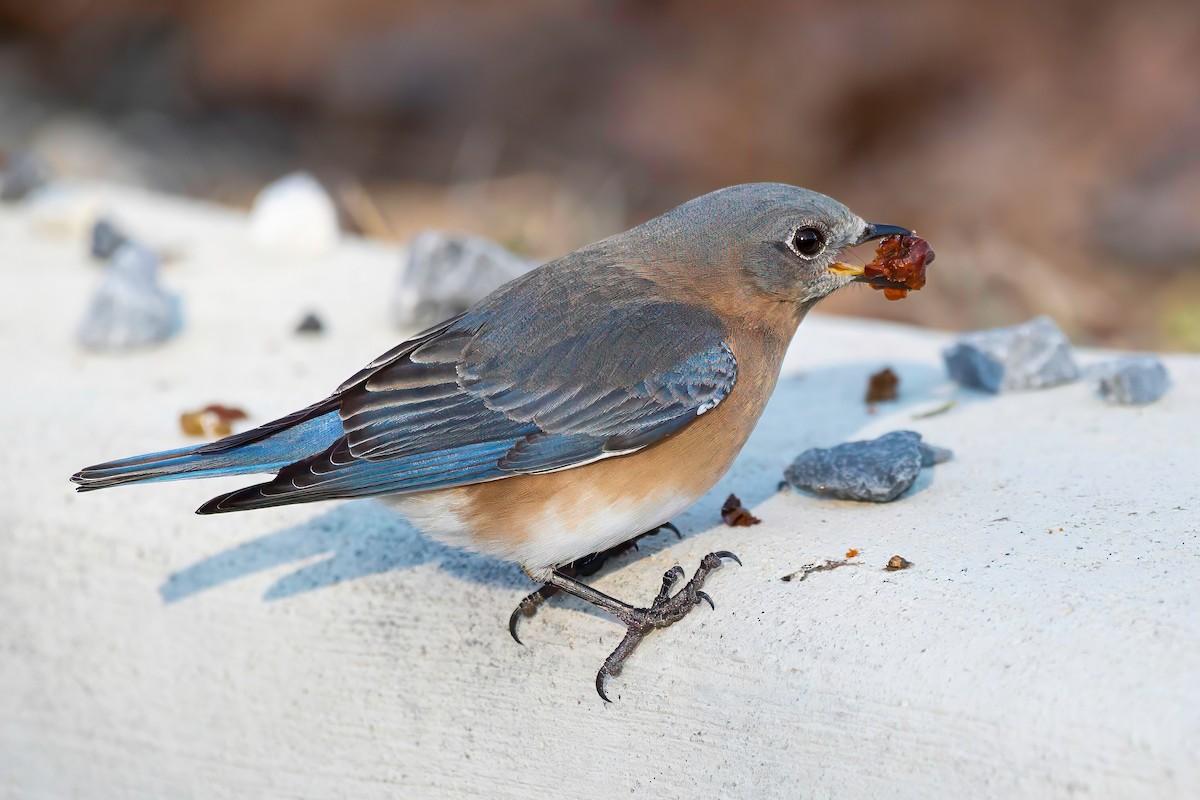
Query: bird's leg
(665, 610)
(588, 565)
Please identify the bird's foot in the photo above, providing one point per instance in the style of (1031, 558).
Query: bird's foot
(666, 609)
(588, 565)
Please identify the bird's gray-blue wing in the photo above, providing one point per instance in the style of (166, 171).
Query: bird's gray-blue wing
(491, 396)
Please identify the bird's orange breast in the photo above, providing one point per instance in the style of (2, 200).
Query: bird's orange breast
(552, 518)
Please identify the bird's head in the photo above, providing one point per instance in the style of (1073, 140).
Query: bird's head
(789, 243)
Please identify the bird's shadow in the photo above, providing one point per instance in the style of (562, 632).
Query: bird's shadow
(351, 541)
(363, 537)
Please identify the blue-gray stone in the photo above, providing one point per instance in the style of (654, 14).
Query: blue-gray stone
(130, 309)
(107, 238)
(876, 471)
(1034, 355)
(1131, 381)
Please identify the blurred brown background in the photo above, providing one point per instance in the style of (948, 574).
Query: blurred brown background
(1050, 151)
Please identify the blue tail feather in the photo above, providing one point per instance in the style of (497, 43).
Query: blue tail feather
(268, 454)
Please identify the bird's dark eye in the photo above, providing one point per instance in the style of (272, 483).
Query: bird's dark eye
(807, 242)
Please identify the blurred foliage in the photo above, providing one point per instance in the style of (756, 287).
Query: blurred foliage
(1050, 151)
(1181, 319)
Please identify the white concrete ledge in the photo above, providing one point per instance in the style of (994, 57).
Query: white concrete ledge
(1044, 643)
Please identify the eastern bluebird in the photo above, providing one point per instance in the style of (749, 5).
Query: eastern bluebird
(574, 407)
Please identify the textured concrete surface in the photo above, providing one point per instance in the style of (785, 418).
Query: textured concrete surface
(1044, 643)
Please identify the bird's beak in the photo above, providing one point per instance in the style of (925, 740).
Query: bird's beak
(875, 230)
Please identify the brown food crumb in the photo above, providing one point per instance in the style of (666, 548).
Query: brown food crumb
(902, 260)
(851, 553)
(213, 421)
(882, 386)
(190, 423)
(896, 563)
(225, 413)
(735, 515)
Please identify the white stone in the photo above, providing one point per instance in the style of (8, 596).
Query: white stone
(295, 217)
(330, 651)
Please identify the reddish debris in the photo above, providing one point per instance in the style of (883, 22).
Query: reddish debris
(902, 260)
(735, 515)
(883, 386)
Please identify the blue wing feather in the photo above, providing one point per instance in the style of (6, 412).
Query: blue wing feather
(499, 391)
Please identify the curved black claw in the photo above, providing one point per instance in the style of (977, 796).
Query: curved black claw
(670, 526)
(528, 607)
(512, 625)
(666, 610)
(726, 554)
(616, 659)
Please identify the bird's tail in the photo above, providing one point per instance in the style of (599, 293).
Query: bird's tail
(265, 449)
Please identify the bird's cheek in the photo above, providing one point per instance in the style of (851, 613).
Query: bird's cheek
(825, 284)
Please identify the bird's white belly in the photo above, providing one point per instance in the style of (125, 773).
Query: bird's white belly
(560, 532)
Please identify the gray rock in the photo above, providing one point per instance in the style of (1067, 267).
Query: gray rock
(445, 274)
(876, 471)
(129, 308)
(1034, 355)
(931, 455)
(20, 174)
(1130, 381)
(107, 238)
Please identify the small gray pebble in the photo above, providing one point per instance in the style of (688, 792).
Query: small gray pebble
(876, 471)
(310, 324)
(130, 309)
(1033, 355)
(107, 238)
(1131, 381)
